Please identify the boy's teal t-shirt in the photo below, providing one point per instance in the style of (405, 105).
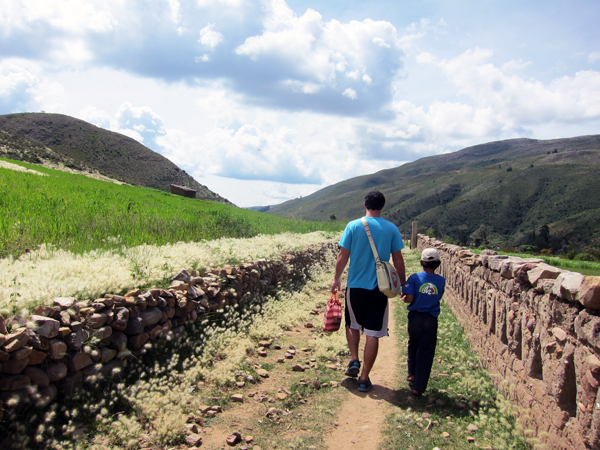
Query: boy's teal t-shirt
(427, 290)
(361, 271)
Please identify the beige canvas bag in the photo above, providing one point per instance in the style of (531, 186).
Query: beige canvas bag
(388, 279)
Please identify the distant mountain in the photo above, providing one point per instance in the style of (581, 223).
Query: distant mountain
(259, 208)
(38, 137)
(519, 191)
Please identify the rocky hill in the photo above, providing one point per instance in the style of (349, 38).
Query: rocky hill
(513, 192)
(60, 139)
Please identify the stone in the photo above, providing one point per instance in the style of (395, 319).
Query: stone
(151, 316)
(16, 340)
(567, 284)
(96, 320)
(233, 439)
(281, 396)
(65, 302)
(76, 326)
(559, 334)
(44, 326)
(47, 395)
(472, 427)
(75, 340)
(135, 326)
(3, 329)
(121, 317)
(237, 398)
(56, 371)
(589, 292)
(445, 434)
(64, 331)
(102, 332)
(136, 342)
(37, 357)
(298, 368)
(80, 360)
(14, 382)
(107, 354)
(118, 341)
(14, 366)
(543, 271)
(57, 349)
(22, 353)
(262, 373)
(37, 376)
(71, 383)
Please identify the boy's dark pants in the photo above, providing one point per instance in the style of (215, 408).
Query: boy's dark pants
(422, 339)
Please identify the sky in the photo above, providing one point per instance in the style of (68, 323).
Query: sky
(264, 101)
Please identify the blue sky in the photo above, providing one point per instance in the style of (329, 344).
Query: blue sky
(263, 101)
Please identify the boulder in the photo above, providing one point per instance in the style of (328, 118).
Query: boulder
(567, 285)
(14, 382)
(56, 371)
(151, 316)
(44, 326)
(16, 340)
(543, 271)
(65, 302)
(14, 366)
(589, 293)
(57, 349)
(37, 376)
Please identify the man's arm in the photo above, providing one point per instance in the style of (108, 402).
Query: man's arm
(340, 265)
(398, 261)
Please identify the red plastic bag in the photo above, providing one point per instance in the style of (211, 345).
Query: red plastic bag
(333, 314)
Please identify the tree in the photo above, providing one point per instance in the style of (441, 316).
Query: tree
(332, 217)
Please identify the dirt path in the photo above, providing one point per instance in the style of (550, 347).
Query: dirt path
(362, 416)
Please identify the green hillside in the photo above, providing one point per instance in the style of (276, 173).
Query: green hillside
(37, 137)
(78, 213)
(501, 193)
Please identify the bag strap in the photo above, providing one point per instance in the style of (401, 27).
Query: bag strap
(375, 254)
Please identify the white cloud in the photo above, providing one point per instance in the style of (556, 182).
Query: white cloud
(209, 37)
(141, 123)
(593, 57)
(96, 116)
(350, 93)
(19, 86)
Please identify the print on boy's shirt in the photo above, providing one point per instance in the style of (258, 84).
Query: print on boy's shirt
(428, 289)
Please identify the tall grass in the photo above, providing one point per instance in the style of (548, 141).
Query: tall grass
(77, 213)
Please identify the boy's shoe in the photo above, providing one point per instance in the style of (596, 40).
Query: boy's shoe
(365, 385)
(416, 394)
(410, 379)
(353, 368)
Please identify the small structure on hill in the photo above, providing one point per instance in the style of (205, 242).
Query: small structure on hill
(183, 191)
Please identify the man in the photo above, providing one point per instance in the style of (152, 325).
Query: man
(366, 306)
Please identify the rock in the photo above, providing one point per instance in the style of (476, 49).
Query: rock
(589, 292)
(37, 357)
(136, 342)
(75, 340)
(233, 439)
(14, 366)
(44, 326)
(445, 434)
(265, 344)
(567, 284)
(37, 376)
(316, 385)
(472, 427)
(542, 271)
(96, 320)
(14, 382)
(280, 396)
(15, 340)
(118, 341)
(65, 302)
(107, 354)
(237, 398)
(151, 316)
(102, 333)
(64, 331)
(288, 355)
(193, 439)
(22, 353)
(298, 368)
(56, 371)
(262, 373)
(559, 334)
(135, 326)
(470, 439)
(4, 356)
(79, 361)
(308, 325)
(47, 396)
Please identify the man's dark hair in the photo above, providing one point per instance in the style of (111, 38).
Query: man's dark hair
(430, 264)
(374, 201)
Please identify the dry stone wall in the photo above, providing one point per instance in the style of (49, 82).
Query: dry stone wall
(61, 347)
(538, 328)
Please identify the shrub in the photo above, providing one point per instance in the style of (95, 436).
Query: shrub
(528, 249)
(584, 257)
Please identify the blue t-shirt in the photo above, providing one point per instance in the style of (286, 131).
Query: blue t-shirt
(427, 290)
(362, 272)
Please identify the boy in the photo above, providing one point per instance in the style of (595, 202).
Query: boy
(423, 292)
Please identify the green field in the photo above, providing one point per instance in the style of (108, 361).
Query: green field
(77, 213)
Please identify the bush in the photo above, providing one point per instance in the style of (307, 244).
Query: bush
(584, 257)
(528, 249)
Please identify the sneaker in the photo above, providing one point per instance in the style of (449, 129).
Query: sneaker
(416, 394)
(410, 379)
(353, 368)
(365, 385)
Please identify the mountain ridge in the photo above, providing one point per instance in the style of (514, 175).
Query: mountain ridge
(34, 137)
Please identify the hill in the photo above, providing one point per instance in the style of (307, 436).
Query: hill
(41, 137)
(520, 191)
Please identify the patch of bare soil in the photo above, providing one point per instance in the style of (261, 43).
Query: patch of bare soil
(362, 415)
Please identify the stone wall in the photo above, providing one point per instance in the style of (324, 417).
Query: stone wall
(61, 347)
(538, 328)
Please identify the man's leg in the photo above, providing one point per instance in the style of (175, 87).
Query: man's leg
(370, 354)
(353, 338)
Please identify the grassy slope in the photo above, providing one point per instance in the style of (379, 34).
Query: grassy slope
(79, 213)
(85, 145)
(457, 193)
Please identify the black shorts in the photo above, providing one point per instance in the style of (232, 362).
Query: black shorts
(367, 310)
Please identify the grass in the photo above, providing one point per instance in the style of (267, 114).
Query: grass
(79, 214)
(460, 394)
